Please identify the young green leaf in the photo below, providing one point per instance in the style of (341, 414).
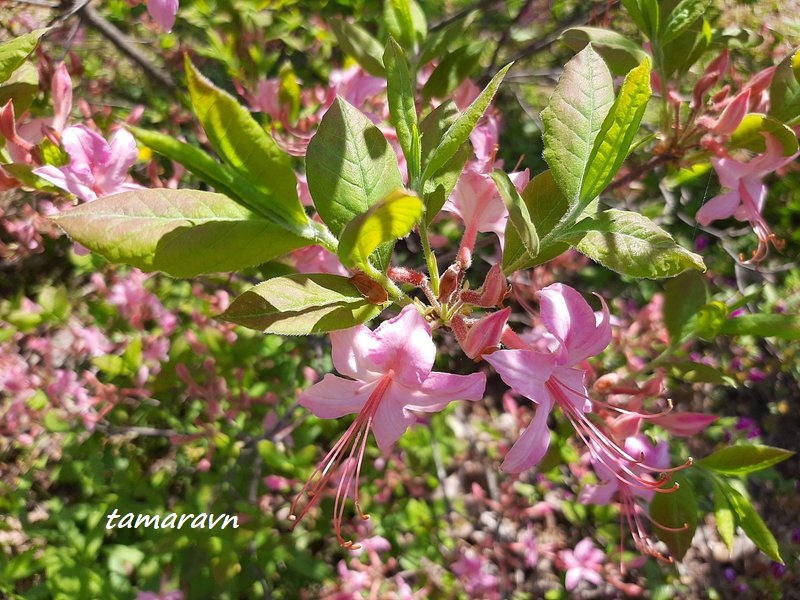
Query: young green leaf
(573, 118)
(522, 241)
(14, 52)
(301, 304)
(402, 108)
(406, 22)
(745, 459)
(750, 134)
(350, 166)
(454, 68)
(439, 42)
(619, 52)
(784, 91)
(786, 327)
(631, 244)
(613, 141)
(437, 189)
(249, 150)
(684, 296)
(180, 232)
(676, 510)
(458, 133)
(222, 178)
(723, 513)
(681, 18)
(357, 42)
(753, 525)
(22, 87)
(392, 218)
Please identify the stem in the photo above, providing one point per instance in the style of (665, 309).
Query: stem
(430, 259)
(395, 293)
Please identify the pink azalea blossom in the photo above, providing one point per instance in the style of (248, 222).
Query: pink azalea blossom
(552, 378)
(582, 564)
(474, 571)
(97, 168)
(163, 12)
(387, 375)
(746, 193)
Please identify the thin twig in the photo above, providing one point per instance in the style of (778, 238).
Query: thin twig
(91, 17)
(462, 13)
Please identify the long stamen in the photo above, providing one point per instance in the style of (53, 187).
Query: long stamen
(353, 445)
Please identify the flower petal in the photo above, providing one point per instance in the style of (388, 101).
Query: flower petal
(123, 154)
(532, 445)
(163, 12)
(351, 349)
(66, 180)
(86, 148)
(568, 316)
(403, 344)
(439, 389)
(390, 422)
(334, 397)
(524, 371)
(719, 207)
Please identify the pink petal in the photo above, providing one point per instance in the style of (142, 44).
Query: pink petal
(61, 94)
(390, 422)
(532, 445)
(572, 321)
(439, 389)
(477, 202)
(485, 334)
(684, 424)
(86, 148)
(334, 397)
(599, 494)
(524, 371)
(351, 350)
(67, 180)
(573, 578)
(571, 387)
(719, 207)
(403, 344)
(163, 12)
(123, 154)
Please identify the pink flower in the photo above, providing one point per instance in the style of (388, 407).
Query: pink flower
(473, 570)
(97, 168)
(388, 375)
(552, 378)
(163, 12)
(747, 192)
(582, 564)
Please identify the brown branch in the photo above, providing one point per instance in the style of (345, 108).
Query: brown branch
(91, 17)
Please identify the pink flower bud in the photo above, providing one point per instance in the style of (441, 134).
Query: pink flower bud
(730, 118)
(684, 424)
(712, 75)
(484, 336)
(61, 93)
(493, 291)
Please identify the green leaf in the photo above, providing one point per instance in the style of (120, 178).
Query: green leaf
(710, 320)
(438, 42)
(750, 134)
(14, 52)
(301, 304)
(349, 165)
(459, 131)
(631, 244)
(692, 372)
(786, 327)
(355, 41)
(684, 296)
(402, 108)
(249, 150)
(406, 22)
(392, 218)
(573, 119)
(222, 178)
(635, 12)
(681, 18)
(22, 87)
(613, 141)
(784, 91)
(181, 232)
(620, 53)
(521, 239)
(676, 510)
(437, 189)
(454, 68)
(753, 525)
(723, 513)
(744, 459)
(548, 208)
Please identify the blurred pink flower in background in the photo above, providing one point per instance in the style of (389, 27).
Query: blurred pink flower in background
(582, 564)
